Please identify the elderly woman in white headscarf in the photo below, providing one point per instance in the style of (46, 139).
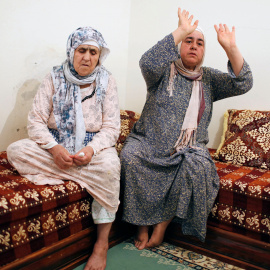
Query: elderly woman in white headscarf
(167, 172)
(73, 126)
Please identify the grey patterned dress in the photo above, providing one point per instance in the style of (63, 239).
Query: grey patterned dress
(157, 184)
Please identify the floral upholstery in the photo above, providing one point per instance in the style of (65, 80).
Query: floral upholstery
(33, 217)
(128, 119)
(243, 201)
(246, 138)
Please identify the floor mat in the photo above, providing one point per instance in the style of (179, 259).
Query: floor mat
(125, 256)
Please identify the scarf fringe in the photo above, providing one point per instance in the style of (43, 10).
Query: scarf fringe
(173, 73)
(187, 138)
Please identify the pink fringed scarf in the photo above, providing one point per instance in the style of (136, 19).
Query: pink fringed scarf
(196, 105)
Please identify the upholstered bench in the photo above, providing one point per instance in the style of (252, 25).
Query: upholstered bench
(239, 223)
(50, 227)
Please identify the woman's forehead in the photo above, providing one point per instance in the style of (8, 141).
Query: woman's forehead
(86, 47)
(196, 35)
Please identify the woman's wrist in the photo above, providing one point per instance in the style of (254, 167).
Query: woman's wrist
(236, 59)
(48, 145)
(179, 35)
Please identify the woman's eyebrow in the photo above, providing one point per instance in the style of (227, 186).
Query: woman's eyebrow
(192, 38)
(89, 48)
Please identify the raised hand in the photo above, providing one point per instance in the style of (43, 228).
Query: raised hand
(185, 26)
(185, 21)
(226, 38)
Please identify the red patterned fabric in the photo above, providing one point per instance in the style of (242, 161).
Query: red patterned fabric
(243, 201)
(128, 119)
(246, 138)
(33, 217)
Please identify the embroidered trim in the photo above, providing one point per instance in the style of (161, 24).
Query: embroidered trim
(87, 97)
(88, 136)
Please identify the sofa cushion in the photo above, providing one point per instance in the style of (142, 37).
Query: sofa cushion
(246, 138)
(36, 216)
(20, 198)
(243, 201)
(128, 119)
(33, 217)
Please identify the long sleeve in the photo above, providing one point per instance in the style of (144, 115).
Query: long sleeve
(157, 60)
(103, 120)
(110, 119)
(40, 112)
(226, 85)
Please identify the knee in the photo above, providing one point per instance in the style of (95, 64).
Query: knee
(12, 151)
(110, 162)
(15, 150)
(127, 154)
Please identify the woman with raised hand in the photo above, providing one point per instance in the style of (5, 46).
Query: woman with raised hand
(167, 172)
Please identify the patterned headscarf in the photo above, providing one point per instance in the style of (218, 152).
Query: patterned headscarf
(67, 107)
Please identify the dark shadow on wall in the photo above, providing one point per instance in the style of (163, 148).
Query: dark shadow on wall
(15, 127)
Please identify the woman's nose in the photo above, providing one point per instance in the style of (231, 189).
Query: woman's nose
(194, 46)
(87, 55)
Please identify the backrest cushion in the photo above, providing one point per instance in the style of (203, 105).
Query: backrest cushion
(246, 138)
(128, 119)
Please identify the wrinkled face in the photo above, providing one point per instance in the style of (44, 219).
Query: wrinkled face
(85, 59)
(192, 50)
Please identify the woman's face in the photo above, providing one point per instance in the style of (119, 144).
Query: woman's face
(85, 59)
(192, 50)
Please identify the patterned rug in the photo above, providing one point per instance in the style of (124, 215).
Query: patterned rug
(125, 256)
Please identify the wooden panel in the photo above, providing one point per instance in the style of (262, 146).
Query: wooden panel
(70, 252)
(220, 244)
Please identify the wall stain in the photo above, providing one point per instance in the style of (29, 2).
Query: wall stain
(15, 127)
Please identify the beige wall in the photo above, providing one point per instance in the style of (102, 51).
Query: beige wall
(33, 39)
(34, 34)
(151, 20)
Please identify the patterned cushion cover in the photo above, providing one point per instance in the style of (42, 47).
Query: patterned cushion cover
(128, 119)
(33, 217)
(246, 138)
(243, 201)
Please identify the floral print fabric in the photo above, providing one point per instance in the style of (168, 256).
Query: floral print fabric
(104, 119)
(246, 138)
(67, 100)
(159, 184)
(101, 176)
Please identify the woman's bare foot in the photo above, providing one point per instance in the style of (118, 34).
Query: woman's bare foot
(158, 234)
(142, 237)
(97, 260)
